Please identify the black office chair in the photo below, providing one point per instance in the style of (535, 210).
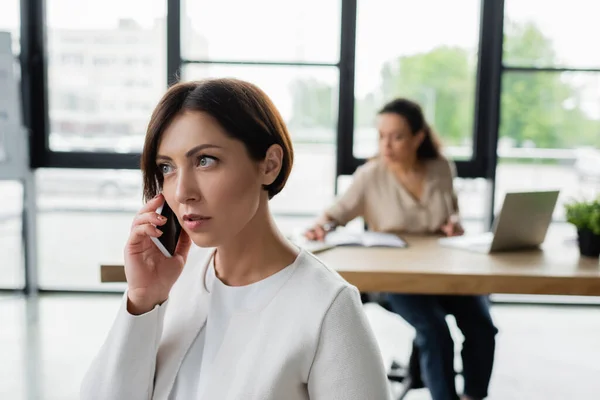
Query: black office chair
(409, 376)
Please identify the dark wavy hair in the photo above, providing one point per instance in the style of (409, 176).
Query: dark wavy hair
(412, 112)
(244, 111)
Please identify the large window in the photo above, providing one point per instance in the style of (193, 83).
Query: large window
(261, 30)
(425, 51)
(93, 72)
(553, 33)
(294, 62)
(10, 21)
(106, 71)
(11, 214)
(550, 104)
(84, 218)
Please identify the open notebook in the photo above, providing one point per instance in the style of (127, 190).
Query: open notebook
(366, 239)
(345, 238)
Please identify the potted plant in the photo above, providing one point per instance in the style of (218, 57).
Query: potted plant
(585, 215)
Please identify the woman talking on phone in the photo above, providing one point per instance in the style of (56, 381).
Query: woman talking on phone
(408, 187)
(256, 319)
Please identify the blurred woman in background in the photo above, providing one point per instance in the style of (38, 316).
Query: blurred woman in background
(408, 187)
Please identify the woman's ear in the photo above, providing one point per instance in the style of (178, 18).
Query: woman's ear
(418, 138)
(272, 164)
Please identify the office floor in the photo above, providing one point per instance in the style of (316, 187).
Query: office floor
(544, 352)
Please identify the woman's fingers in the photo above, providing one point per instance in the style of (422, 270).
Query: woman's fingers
(152, 204)
(149, 217)
(310, 234)
(447, 229)
(320, 233)
(140, 232)
(452, 229)
(315, 233)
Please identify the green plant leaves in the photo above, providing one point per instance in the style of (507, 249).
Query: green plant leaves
(584, 214)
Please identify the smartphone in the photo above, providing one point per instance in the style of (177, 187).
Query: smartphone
(167, 242)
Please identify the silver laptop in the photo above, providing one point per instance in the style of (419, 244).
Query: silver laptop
(522, 224)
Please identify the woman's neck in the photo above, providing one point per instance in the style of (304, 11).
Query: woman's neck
(255, 253)
(409, 167)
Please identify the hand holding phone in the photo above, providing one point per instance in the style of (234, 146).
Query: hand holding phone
(151, 271)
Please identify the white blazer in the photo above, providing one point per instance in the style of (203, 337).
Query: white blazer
(311, 340)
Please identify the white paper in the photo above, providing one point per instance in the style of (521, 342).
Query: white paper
(367, 239)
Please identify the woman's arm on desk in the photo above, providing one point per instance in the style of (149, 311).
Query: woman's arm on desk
(347, 207)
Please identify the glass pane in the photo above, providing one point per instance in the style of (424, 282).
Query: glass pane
(307, 98)
(10, 22)
(560, 36)
(404, 49)
(106, 72)
(261, 30)
(550, 135)
(94, 210)
(12, 266)
(472, 200)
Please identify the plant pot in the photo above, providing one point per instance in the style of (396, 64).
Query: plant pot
(589, 243)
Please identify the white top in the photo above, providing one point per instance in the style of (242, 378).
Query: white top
(225, 302)
(305, 338)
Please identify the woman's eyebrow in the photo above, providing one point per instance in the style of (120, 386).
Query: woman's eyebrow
(190, 152)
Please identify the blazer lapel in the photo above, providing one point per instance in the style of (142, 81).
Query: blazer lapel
(184, 318)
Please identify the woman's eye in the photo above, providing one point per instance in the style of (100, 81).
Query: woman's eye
(206, 161)
(165, 169)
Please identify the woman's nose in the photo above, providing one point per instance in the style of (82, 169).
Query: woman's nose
(187, 189)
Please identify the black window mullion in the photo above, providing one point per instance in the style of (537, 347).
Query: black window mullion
(345, 161)
(174, 59)
(487, 103)
(34, 80)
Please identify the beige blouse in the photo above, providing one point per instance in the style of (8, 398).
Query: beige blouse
(387, 206)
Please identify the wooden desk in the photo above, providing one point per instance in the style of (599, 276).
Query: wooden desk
(427, 268)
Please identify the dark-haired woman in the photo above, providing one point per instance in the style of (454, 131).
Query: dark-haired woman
(256, 319)
(408, 187)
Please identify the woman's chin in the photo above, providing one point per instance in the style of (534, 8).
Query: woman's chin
(204, 240)
(389, 160)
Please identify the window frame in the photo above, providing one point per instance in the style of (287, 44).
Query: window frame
(34, 86)
(485, 113)
(35, 79)
(508, 68)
